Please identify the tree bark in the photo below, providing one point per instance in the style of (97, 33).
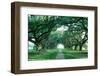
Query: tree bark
(75, 48)
(80, 47)
(40, 48)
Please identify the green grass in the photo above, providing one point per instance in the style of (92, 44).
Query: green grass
(52, 53)
(72, 54)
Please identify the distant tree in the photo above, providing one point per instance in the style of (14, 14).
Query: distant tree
(76, 35)
(53, 39)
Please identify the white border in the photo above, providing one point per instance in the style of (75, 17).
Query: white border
(25, 64)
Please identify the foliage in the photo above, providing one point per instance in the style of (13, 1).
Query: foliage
(43, 32)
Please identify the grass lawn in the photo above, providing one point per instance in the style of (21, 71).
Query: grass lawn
(52, 53)
(72, 54)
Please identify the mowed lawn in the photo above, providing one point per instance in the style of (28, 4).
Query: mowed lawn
(72, 54)
(52, 53)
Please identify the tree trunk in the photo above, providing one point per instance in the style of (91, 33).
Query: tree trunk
(37, 49)
(75, 48)
(80, 47)
(40, 48)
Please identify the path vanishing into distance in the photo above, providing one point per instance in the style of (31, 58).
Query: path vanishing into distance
(60, 55)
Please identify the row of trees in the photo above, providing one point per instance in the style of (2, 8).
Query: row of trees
(42, 31)
(77, 34)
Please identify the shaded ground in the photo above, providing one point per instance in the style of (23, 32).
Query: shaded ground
(50, 54)
(71, 54)
(58, 54)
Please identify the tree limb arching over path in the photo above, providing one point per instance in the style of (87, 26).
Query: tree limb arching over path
(42, 32)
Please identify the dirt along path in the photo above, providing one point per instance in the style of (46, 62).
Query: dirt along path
(60, 55)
